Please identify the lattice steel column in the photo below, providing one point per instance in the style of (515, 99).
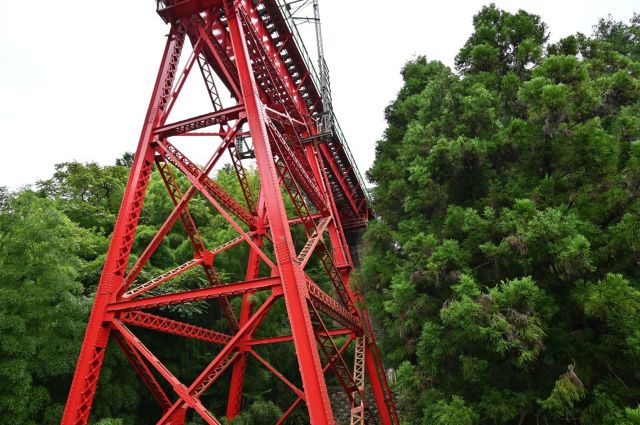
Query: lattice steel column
(95, 341)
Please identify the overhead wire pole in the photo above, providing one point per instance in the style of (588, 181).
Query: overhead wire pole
(326, 119)
(277, 116)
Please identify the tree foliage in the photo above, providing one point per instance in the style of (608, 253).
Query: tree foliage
(504, 261)
(41, 306)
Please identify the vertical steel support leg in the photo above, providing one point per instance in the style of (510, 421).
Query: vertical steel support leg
(234, 402)
(342, 257)
(293, 281)
(89, 364)
(376, 386)
(359, 403)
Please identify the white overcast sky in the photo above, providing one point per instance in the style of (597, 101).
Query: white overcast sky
(75, 76)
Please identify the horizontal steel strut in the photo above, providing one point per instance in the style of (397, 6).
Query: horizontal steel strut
(252, 50)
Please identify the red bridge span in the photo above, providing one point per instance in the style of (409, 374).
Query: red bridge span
(271, 106)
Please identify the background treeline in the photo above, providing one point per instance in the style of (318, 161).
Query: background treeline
(53, 241)
(505, 261)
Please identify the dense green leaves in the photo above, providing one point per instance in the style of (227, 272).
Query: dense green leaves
(41, 307)
(504, 264)
(502, 42)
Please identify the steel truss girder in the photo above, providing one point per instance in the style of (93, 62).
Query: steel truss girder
(176, 213)
(226, 290)
(172, 11)
(330, 350)
(178, 159)
(289, 338)
(234, 153)
(213, 370)
(322, 301)
(290, 273)
(218, 52)
(209, 81)
(341, 183)
(158, 323)
(222, 116)
(158, 280)
(312, 242)
(263, 55)
(297, 169)
(180, 389)
(135, 270)
(237, 45)
(359, 403)
(314, 232)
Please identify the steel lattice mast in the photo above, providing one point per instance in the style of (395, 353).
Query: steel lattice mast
(252, 50)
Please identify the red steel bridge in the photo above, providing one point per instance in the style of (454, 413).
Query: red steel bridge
(278, 114)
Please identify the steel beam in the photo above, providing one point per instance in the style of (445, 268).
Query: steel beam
(326, 367)
(234, 401)
(141, 368)
(222, 116)
(293, 281)
(289, 338)
(196, 240)
(162, 324)
(226, 290)
(87, 371)
(175, 383)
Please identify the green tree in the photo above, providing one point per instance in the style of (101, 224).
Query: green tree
(42, 310)
(503, 265)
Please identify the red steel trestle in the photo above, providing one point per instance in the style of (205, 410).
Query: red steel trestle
(248, 49)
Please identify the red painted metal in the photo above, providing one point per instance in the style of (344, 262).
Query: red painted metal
(196, 240)
(203, 121)
(226, 290)
(249, 49)
(330, 351)
(327, 366)
(289, 338)
(152, 321)
(277, 373)
(290, 272)
(141, 368)
(234, 403)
